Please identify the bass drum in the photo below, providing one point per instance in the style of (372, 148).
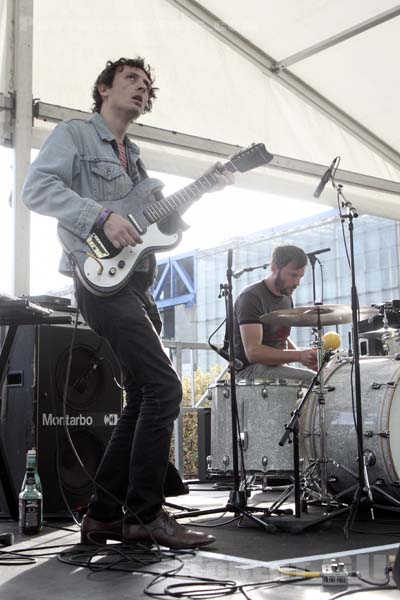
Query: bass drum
(380, 397)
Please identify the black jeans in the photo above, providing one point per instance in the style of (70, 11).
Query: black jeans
(135, 462)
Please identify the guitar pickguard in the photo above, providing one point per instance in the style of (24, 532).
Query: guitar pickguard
(105, 274)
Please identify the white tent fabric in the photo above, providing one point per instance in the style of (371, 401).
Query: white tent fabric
(212, 60)
(208, 89)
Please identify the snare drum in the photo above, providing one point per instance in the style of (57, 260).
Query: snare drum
(380, 395)
(263, 409)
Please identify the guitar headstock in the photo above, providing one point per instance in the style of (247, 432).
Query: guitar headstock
(248, 158)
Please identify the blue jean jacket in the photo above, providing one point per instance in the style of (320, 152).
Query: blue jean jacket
(76, 170)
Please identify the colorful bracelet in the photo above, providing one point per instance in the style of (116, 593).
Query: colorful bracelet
(104, 215)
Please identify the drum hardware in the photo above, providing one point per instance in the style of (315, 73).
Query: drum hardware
(369, 458)
(377, 386)
(226, 461)
(209, 462)
(292, 435)
(237, 502)
(243, 440)
(382, 434)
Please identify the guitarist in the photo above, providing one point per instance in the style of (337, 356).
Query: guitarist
(82, 164)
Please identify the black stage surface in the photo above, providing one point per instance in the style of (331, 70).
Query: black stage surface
(243, 553)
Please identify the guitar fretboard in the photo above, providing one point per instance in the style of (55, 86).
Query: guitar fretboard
(164, 207)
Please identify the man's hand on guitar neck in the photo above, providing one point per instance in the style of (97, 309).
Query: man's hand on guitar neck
(121, 232)
(222, 175)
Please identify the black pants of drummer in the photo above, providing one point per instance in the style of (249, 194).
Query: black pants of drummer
(135, 462)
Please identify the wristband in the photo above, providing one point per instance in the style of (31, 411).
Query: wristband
(104, 215)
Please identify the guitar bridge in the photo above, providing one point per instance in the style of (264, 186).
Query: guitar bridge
(97, 246)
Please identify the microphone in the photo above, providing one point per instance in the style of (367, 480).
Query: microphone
(236, 363)
(331, 342)
(225, 354)
(313, 254)
(325, 178)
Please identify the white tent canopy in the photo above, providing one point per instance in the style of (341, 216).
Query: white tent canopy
(311, 79)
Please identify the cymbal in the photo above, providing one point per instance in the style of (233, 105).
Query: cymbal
(307, 316)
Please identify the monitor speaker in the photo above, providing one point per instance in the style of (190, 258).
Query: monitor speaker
(42, 411)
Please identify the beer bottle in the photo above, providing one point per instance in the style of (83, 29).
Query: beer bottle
(30, 498)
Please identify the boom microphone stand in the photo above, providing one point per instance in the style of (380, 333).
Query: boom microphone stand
(363, 489)
(238, 496)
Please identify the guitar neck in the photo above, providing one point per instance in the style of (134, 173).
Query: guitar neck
(183, 198)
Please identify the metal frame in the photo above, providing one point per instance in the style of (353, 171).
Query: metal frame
(19, 123)
(17, 131)
(189, 143)
(173, 267)
(338, 38)
(268, 66)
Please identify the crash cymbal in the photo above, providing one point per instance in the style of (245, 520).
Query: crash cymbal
(307, 316)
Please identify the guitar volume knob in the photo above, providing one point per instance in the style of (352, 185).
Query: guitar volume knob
(112, 271)
(121, 264)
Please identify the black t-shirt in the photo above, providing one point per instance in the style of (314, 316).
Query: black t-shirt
(252, 302)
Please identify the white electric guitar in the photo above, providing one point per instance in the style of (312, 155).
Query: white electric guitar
(104, 269)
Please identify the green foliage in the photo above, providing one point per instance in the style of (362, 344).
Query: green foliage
(190, 442)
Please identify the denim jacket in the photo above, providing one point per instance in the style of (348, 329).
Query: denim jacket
(76, 170)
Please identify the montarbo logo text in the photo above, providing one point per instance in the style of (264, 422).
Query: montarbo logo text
(54, 420)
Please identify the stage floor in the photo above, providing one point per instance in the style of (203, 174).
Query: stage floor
(245, 554)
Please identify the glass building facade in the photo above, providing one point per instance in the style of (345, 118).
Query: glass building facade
(376, 251)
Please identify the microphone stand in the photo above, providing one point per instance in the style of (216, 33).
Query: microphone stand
(361, 488)
(239, 273)
(313, 259)
(238, 495)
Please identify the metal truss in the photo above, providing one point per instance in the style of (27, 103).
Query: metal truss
(174, 275)
(154, 135)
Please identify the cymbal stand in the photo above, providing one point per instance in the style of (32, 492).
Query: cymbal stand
(323, 460)
(302, 480)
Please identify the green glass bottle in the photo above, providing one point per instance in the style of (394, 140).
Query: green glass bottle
(31, 464)
(30, 499)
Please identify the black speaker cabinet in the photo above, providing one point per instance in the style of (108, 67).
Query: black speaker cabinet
(33, 412)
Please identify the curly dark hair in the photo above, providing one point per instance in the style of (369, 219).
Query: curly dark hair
(283, 255)
(108, 74)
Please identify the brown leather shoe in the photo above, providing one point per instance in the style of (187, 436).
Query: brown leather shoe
(166, 531)
(93, 531)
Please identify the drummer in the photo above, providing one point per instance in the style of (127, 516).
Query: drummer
(265, 350)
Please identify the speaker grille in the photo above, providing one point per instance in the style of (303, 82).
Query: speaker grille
(88, 375)
(90, 449)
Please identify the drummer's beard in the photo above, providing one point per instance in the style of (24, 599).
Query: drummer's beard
(281, 287)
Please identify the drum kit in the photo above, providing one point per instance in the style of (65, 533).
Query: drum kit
(326, 427)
